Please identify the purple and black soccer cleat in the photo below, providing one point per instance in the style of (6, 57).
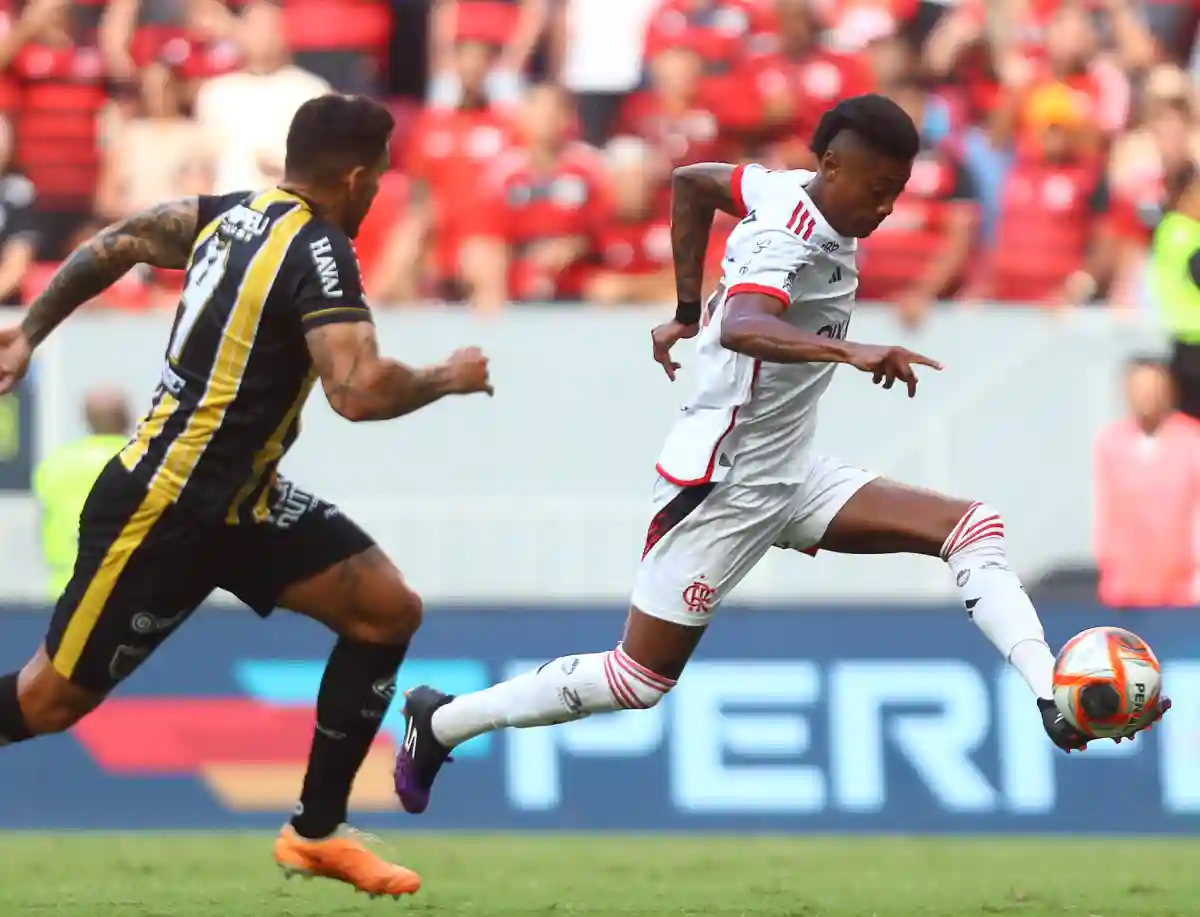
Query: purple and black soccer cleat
(421, 755)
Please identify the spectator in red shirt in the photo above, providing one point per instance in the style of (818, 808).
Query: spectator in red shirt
(449, 150)
(920, 252)
(635, 246)
(535, 234)
(1053, 243)
(792, 86)
(61, 80)
(723, 32)
(1147, 504)
(516, 27)
(679, 114)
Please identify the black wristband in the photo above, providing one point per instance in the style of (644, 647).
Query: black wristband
(688, 313)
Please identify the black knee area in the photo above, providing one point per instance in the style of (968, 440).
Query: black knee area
(13, 727)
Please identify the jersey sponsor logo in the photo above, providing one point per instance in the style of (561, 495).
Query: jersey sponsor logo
(700, 598)
(836, 330)
(291, 505)
(836, 276)
(243, 224)
(829, 246)
(326, 265)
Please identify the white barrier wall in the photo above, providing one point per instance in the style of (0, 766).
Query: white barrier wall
(541, 492)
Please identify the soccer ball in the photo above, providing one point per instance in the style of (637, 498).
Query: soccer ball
(1106, 679)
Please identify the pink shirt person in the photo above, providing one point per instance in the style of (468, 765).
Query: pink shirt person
(1147, 498)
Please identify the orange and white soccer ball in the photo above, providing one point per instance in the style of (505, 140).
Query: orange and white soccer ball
(1106, 679)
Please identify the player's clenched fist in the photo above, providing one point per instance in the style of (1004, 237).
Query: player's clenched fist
(887, 364)
(469, 370)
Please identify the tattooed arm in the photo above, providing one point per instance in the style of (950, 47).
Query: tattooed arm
(161, 236)
(697, 193)
(362, 385)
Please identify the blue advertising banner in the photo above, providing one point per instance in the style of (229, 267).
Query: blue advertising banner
(847, 720)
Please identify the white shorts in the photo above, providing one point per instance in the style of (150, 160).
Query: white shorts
(697, 552)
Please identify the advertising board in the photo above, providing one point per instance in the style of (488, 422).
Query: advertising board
(791, 720)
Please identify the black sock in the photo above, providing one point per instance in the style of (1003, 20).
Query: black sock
(358, 686)
(12, 722)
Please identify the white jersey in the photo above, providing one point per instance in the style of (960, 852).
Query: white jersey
(750, 421)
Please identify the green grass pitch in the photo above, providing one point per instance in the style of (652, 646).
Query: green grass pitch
(233, 875)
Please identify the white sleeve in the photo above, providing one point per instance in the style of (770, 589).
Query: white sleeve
(768, 261)
(750, 185)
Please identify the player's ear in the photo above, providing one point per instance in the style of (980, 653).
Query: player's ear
(355, 179)
(831, 164)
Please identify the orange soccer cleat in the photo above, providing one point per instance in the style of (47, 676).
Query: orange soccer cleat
(345, 858)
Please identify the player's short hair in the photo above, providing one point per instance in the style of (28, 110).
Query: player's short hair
(334, 133)
(877, 121)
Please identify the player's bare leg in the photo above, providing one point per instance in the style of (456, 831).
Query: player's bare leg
(39, 701)
(884, 517)
(366, 602)
(635, 675)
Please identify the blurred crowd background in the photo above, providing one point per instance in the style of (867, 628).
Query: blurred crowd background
(536, 136)
(534, 146)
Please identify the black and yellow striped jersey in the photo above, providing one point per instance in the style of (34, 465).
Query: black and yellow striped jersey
(264, 270)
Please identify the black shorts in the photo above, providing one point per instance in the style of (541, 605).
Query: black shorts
(144, 565)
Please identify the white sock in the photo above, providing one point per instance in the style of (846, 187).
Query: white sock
(995, 599)
(568, 688)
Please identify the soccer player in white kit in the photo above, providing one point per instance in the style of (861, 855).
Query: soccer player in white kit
(738, 474)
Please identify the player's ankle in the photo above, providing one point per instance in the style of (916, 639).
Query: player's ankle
(313, 824)
(13, 727)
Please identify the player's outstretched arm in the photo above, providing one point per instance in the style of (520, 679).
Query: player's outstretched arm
(161, 236)
(752, 325)
(362, 385)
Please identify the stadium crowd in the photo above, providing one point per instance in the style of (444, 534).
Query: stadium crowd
(536, 136)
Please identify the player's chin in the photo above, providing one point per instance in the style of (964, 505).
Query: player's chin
(867, 228)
